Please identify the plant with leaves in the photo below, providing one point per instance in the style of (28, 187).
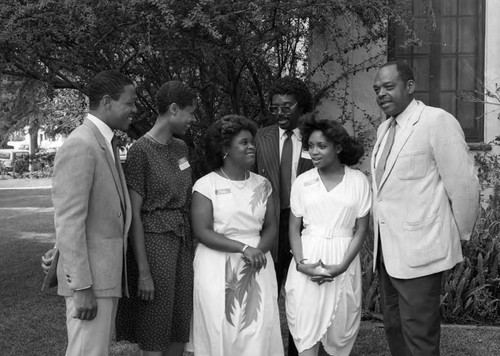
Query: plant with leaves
(230, 51)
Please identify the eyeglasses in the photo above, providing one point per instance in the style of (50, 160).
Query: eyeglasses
(285, 110)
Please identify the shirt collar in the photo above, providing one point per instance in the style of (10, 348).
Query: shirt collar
(403, 118)
(296, 132)
(102, 127)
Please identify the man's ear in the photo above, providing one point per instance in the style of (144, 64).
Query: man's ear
(410, 86)
(173, 108)
(106, 101)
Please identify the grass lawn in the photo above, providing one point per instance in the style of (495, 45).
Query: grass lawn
(32, 322)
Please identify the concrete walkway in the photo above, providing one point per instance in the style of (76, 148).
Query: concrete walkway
(35, 183)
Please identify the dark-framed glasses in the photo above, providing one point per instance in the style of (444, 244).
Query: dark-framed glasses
(284, 110)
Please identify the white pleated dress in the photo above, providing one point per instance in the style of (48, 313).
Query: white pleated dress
(331, 312)
(235, 309)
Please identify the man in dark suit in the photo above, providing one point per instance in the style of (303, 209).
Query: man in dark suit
(280, 158)
(92, 216)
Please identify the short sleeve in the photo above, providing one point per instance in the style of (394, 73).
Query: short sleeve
(268, 188)
(205, 186)
(296, 202)
(365, 195)
(136, 167)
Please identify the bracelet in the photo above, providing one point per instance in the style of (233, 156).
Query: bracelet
(244, 248)
(145, 279)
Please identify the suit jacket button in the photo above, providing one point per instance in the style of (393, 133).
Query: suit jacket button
(120, 215)
(69, 280)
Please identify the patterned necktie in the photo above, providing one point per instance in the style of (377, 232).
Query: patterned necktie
(379, 171)
(286, 170)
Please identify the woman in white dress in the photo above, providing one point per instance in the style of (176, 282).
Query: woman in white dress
(235, 291)
(332, 201)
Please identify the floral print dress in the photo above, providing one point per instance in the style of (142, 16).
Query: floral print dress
(235, 307)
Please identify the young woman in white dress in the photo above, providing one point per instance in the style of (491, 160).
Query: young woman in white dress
(235, 290)
(332, 201)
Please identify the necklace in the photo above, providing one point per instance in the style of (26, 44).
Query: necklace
(233, 182)
(154, 139)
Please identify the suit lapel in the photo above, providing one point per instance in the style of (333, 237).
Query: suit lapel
(380, 135)
(303, 165)
(383, 129)
(400, 143)
(113, 168)
(271, 148)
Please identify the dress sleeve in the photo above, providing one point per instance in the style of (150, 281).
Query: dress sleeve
(296, 201)
(268, 188)
(205, 186)
(365, 196)
(136, 168)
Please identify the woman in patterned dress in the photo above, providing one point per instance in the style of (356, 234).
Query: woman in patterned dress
(157, 315)
(235, 291)
(323, 287)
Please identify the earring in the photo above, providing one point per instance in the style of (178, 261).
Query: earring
(225, 155)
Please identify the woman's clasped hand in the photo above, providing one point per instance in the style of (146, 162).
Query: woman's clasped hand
(320, 272)
(254, 257)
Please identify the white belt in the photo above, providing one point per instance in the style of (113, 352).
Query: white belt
(327, 232)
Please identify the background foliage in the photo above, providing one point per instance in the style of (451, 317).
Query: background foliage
(229, 50)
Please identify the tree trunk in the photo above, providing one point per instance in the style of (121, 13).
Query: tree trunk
(33, 131)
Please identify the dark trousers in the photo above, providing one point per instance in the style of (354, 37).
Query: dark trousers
(284, 254)
(411, 313)
(282, 263)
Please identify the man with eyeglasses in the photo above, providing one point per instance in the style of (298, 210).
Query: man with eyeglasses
(280, 159)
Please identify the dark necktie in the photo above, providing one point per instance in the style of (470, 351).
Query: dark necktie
(114, 144)
(286, 170)
(379, 170)
(123, 186)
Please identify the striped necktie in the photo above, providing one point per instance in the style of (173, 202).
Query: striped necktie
(379, 170)
(286, 170)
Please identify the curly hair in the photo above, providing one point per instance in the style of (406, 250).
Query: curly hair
(108, 82)
(221, 133)
(174, 91)
(334, 132)
(296, 87)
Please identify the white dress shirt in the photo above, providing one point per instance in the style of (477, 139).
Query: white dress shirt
(105, 131)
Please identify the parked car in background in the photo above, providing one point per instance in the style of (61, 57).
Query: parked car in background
(8, 157)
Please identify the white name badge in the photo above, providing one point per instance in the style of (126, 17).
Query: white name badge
(183, 164)
(305, 154)
(222, 191)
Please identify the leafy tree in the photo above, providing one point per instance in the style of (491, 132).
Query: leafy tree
(34, 104)
(229, 50)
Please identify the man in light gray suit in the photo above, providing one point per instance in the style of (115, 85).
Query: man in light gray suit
(92, 216)
(426, 198)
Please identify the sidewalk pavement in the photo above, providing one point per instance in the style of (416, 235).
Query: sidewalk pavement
(25, 183)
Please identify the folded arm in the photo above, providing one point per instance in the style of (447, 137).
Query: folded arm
(202, 218)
